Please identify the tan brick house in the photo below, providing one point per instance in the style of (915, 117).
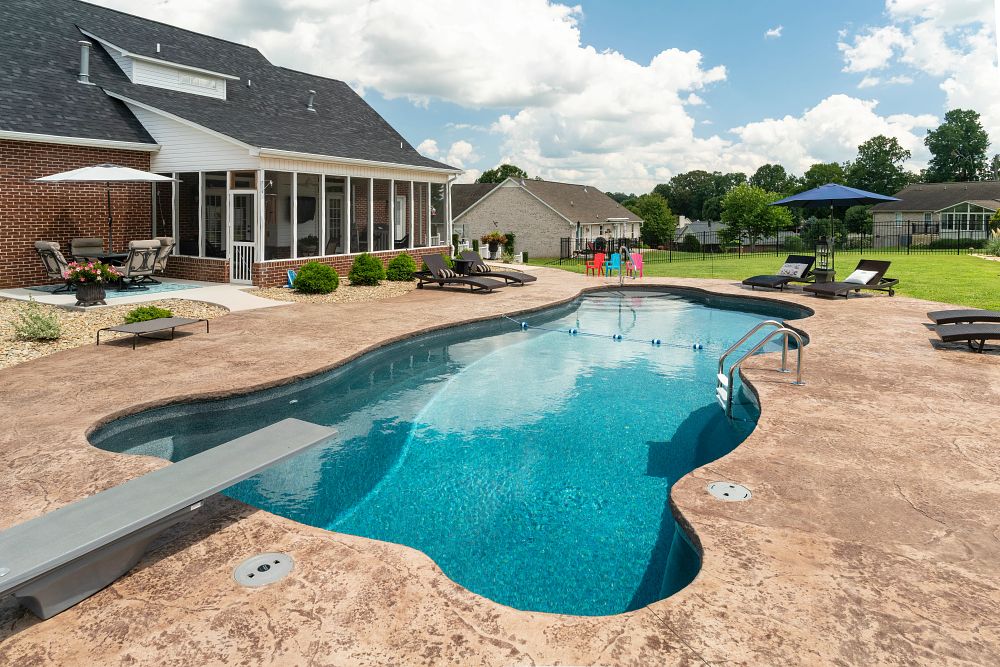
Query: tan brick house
(273, 167)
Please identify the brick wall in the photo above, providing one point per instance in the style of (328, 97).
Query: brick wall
(32, 211)
(207, 269)
(537, 227)
(274, 274)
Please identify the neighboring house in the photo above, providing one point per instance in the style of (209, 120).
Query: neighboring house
(540, 213)
(931, 211)
(273, 166)
(706, 231)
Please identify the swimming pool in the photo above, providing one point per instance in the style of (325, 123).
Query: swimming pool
(533, 466)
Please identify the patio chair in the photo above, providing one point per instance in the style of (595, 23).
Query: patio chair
(55, 264)
(869, 275)
(480, 267)
(139, 265)
(596, 266)
(438, 273)
(86, 248)
(614, 265)
(797, 268)
(166, 250)
(963, 315)
(970, 334)
(634, 265)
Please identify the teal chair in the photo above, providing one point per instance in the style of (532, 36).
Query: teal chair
(614, 264)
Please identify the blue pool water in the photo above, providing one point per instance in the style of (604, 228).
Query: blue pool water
(533, 466)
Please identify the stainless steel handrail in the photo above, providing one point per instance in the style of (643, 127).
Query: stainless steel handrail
(786, 333)
(732, 348)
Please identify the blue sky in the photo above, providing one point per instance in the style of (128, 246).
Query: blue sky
(623, 95)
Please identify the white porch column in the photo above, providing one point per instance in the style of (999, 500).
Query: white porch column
(175, 198)
(348, 213)
(322, 215)
(447, 211)
(371, 215)
(392, 214)
(295, 214)
(411, 201)
(201, 215)
(259, 229)
(429, 213)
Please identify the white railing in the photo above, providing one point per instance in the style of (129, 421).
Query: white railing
(241, 262)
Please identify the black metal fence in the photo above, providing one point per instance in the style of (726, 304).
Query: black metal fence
(903, 236)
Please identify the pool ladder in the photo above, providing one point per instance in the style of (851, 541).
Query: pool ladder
(724, 379)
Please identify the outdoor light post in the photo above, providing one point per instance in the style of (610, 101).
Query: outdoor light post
(824, 271)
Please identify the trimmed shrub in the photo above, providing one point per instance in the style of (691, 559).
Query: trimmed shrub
(524, 256)
(316, 278)
(794, 243)
(401, 268)
(33, 323)
(366, 270)
(475, 245)
(992, 246)
(146, 313)
(508, 246)
(690, 243)
(952, 244)
(454, 245)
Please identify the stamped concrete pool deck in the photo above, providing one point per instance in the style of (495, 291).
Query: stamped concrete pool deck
(873, 535)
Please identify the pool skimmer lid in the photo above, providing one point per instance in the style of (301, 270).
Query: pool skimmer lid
(263, 569)
(728, 491)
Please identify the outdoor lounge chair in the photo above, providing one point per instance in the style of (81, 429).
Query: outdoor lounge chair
(438, 273)
(480, 267)
(869, 275)
(963, 315)
(139, 265)
(164, 253)
(86, 248)
(55, 264)
(969, 333)
(797, 268)
(54, 561)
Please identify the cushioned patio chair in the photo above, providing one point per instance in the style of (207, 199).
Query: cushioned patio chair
(162, 256)
(797, 268)
(975, 335)
(869, 275)
(86, 248)
(479, 267)
(438, 273)
(963, 315)
(55, 264)
(139, 265)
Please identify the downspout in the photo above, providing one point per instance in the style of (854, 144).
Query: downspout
(447, 189)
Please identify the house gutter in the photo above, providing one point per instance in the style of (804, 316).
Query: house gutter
(79, 141)
(316, 157)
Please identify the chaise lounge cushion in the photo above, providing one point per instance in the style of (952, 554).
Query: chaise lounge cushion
(860, 277)
(793, 269)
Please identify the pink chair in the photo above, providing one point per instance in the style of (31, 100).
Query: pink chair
(635, 263)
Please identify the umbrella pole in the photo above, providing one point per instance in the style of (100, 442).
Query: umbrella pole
(107, 189)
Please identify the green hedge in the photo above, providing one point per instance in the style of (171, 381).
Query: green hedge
(366, 270)
(401, 268)
(316, 278)
(146, 313)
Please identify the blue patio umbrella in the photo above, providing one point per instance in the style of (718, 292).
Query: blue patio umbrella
(832, 194)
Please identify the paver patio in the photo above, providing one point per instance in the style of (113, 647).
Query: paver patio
(872, 536)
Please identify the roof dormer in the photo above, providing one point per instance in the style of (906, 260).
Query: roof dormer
(149, 71)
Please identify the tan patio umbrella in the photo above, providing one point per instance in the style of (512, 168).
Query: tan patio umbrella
(107, 174)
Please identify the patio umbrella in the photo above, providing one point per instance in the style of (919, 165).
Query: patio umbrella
(108, 174)
(831, 195)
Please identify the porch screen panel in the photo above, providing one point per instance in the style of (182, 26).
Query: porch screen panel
(420, 222)
(163, 208)
(359, 215)
(336, 221)
(380, 213)
(215, 214)
(401, 221)
(187, 213)
(277, 215)
(439, 227)
(307, 228)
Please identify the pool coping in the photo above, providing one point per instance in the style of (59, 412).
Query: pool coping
(679, 628)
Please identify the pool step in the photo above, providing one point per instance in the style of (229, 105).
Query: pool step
(722, 395)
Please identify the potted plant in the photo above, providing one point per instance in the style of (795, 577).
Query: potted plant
(493, 241)
(89, 279)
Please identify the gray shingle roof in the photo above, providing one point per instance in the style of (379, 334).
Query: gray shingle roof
(464, 195)
(578, 203)
(936, 196)
(271, 113)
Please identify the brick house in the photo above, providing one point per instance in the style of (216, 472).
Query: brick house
(540, 213)
(927, 212)
(273, 167)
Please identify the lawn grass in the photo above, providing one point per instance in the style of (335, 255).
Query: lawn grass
(960, 279)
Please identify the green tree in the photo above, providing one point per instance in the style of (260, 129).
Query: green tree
(822, 173)
(879, 166)
(658, 223)
(688, 192)
(621, 197)
(712, 209)
(501, 173)
(773, 178)
(993, 172)
(858, 219)
(958, 148)
(747, 215)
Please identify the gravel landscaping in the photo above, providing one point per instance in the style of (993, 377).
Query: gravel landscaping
(80, 327)
(346, 293)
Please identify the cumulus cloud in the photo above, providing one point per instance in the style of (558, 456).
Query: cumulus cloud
(774, 33)
(460, 154)
(872, 81)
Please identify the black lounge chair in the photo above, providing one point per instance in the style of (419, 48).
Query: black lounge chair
(781, 280)
(480, 267)
(966, 315)
(878, 282)
(970, 334)
(439, 273)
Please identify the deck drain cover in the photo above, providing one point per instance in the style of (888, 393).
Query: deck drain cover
(263, 569)
(728, 491)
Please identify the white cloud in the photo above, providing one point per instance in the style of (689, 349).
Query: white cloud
(773, 33)
(872, 81)
(872, 49)
(460, 154)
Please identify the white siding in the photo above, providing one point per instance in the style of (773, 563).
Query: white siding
(172, 78)
(185, 148)
(345, 169)
(122, 61)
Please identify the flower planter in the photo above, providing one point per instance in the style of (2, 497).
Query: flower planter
(493, 248)
(90, 294)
